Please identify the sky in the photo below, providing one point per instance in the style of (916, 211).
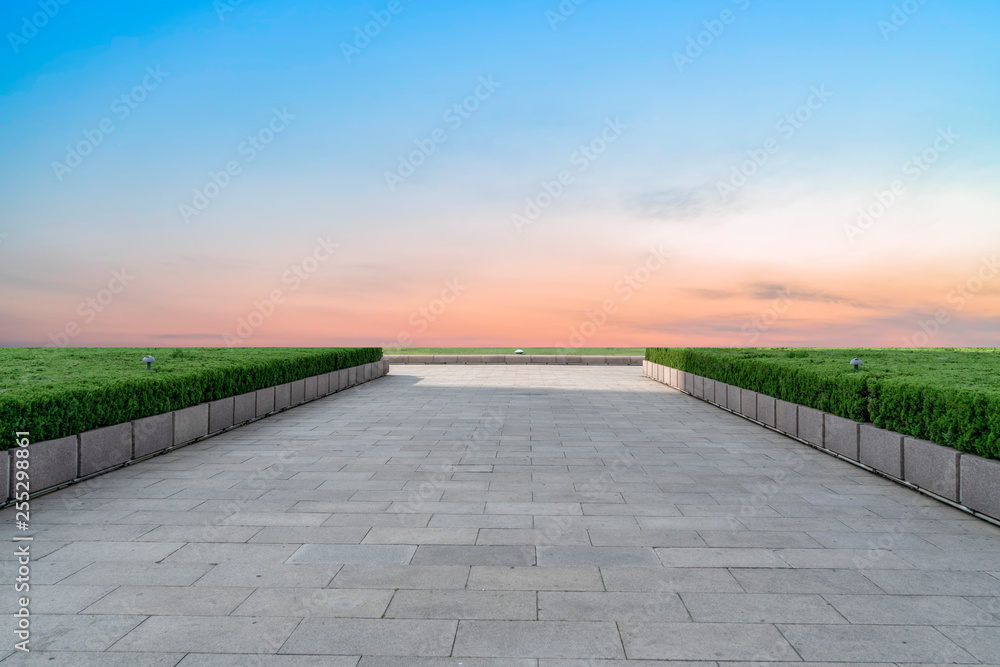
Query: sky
(422, 173)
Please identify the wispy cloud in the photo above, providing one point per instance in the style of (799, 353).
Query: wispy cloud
(675, 204)
(766, 291)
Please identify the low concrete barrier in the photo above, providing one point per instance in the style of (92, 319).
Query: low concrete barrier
(57, 463)
(968, 481)
(589, 360)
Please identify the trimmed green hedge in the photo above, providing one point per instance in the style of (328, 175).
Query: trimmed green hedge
(52, 393)
(946, 395)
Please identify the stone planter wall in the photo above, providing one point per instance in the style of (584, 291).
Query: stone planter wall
(55, 463)
(967, 480)
(592, 360)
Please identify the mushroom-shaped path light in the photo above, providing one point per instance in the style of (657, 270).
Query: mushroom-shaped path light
(149, 361)
(856, 363)
(518, 351)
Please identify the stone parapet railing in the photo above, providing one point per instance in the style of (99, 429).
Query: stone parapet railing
(965, 480)
(585, 359)
(63, 461)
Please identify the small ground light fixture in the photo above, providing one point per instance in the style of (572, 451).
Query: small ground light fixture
(149, 361)
(856, 363)
(518, 351)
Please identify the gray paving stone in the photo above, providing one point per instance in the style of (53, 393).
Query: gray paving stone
(645, 538)
(632, 663)
(89, 552)
(250, 518)
(910, 610)
(498, 521)
(102, 659)
(477, 555)
(352, 554)
(208, 634)
(847, 559)
(304, 534)
(871, 541)
(729, 557)
(79, 632)
(982, 643)
(380, 661)
(611, 606)
(216, 552)
(597, 556)
(804, 581)
(541, 639)
(535, 579)
(386, 637)
(479, 465)
(464, 605)
(872, 643)
(532, 536)
(281, 575)
(402, 576)
(210, 533)
(709, 641)
(758, 538)
(54, 599)
(759, 608)
(902, 582)
(170, 601)
(422, 536)
(222, 660)
(321, 602)
(669, 580)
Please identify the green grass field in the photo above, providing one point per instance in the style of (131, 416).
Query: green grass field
(53, 392)
(25, 371)
(946, 368)
(601, 351)
(950, 396)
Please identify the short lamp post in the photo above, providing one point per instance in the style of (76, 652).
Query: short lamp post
(856, 363)
(149, 362)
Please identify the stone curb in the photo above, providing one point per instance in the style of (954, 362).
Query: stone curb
(964, 480)
(64, 461)
(585, 360)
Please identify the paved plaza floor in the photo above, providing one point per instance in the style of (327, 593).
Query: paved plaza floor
(550, 516)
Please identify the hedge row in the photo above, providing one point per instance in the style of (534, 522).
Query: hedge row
(965, 418)
(56, 412)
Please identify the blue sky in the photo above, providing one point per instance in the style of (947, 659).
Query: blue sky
(558, 85)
